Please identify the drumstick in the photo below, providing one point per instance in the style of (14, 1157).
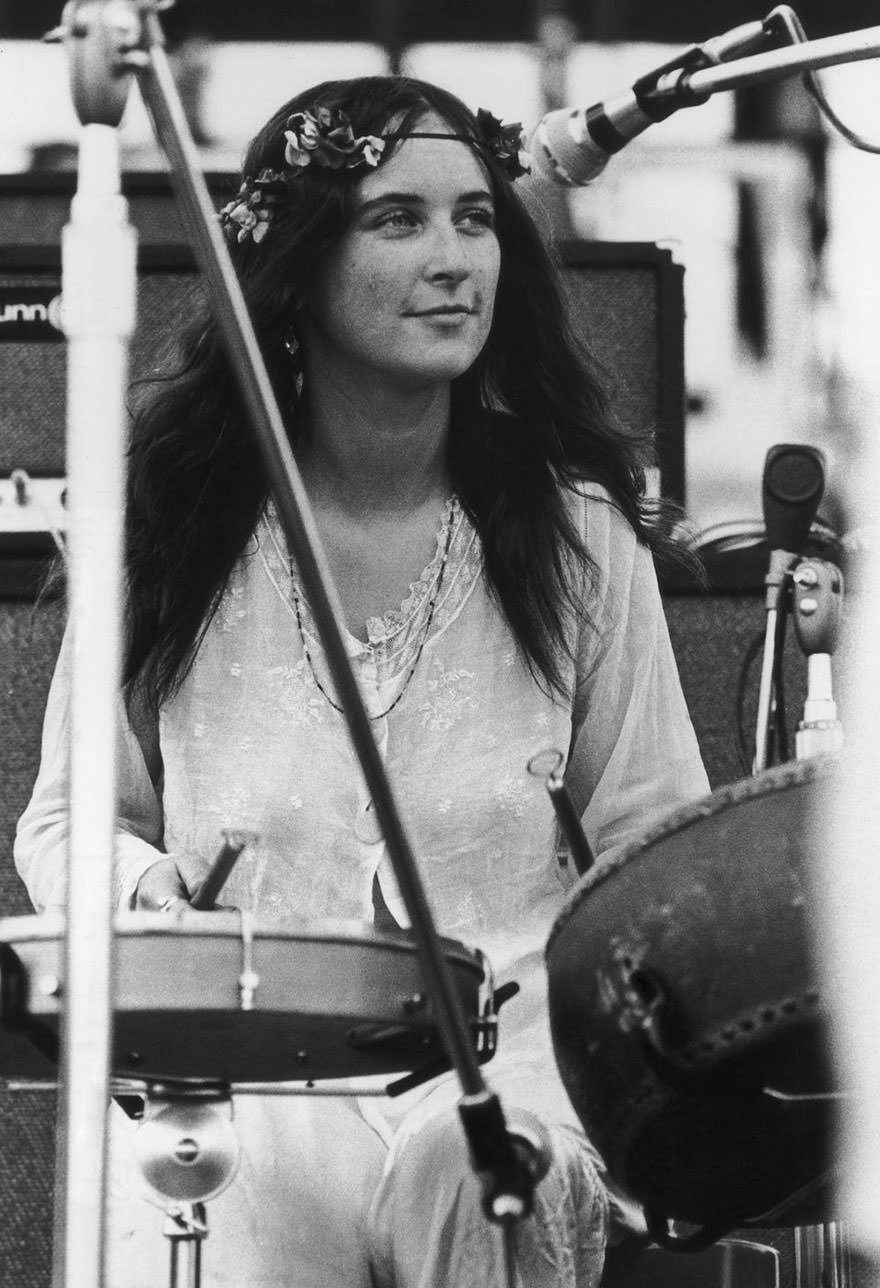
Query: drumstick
(233, 844)
(566, 814)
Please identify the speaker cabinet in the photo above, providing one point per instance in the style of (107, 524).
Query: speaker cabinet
(29, 638)
(627, 304)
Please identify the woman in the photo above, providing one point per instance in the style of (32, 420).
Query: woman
(486, 533)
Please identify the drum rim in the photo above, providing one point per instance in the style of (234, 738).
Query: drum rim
(227, 925)
(791, 773)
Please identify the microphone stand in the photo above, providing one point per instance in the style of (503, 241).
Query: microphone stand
(108, 40)
(99, 278)
(685, 88)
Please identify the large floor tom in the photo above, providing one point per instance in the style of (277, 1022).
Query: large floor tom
(688, 1018)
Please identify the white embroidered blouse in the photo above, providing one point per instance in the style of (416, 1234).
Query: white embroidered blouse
(251, 742)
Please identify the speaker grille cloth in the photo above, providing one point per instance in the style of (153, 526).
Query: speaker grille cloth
(615, 311)
(29, 639)
(33, 375)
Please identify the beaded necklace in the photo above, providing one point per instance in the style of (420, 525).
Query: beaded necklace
(435, 595)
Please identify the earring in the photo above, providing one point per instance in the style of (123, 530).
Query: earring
(290, 340)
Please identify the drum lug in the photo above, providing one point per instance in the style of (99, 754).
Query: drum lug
(485, 1029)
(485, 1033)
(249, 977)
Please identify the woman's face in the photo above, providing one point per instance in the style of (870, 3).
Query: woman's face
(406, 298)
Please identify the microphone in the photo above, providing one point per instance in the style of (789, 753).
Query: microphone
(572, 146)
(792, 487)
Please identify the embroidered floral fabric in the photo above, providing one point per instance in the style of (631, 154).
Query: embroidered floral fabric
(250, 742)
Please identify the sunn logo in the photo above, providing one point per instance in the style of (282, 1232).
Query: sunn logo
(31, 313)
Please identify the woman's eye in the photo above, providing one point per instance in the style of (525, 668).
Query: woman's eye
(396, 219)
(478, 218)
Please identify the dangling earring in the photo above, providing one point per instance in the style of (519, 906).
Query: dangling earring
(290, 340)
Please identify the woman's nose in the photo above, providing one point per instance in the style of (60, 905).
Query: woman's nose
(447, 255)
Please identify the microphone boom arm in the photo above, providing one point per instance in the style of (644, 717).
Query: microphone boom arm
(685, 87)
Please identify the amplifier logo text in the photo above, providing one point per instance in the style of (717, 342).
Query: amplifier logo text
(31, 313)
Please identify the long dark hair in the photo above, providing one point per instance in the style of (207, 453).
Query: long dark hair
(528, 416)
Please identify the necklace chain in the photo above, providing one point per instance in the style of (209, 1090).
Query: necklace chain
(435, 595)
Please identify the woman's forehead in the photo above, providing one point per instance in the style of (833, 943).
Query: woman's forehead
(418, 163)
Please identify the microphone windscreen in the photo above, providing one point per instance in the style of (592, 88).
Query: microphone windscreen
(793, 483)
(563, 151)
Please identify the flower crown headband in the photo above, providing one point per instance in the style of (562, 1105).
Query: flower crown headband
(325, 138)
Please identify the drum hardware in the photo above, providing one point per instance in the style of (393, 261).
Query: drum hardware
(249, 978)
(188, 1152)
(548, 765)
(484, 1030)
(186, 1229)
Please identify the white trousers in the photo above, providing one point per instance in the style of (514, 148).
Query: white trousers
(320, 1200)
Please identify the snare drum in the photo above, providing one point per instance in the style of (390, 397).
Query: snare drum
(204, 997)
(688, 1021)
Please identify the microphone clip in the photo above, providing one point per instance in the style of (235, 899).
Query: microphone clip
(660, 93)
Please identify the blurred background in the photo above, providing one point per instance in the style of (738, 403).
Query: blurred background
(771, 214)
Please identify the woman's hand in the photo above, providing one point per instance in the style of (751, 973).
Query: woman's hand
(161, 888)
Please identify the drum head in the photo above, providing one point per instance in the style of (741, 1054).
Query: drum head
(688, 1023)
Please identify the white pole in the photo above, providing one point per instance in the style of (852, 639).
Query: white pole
(99, 287)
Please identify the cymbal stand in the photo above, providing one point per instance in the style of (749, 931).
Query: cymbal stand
(108, 42)
(188, 1152)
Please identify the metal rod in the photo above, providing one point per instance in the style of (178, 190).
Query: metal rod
(810, 55)
(549, 765)
(231, 314)
(186, 1229)
(99, 286)
(765, 694)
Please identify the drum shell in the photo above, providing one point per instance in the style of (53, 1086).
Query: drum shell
(713, 907)
(329, 1001)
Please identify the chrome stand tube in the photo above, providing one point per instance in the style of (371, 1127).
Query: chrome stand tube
(99, 290)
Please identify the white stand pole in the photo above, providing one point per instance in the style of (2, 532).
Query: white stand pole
(99, 279)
